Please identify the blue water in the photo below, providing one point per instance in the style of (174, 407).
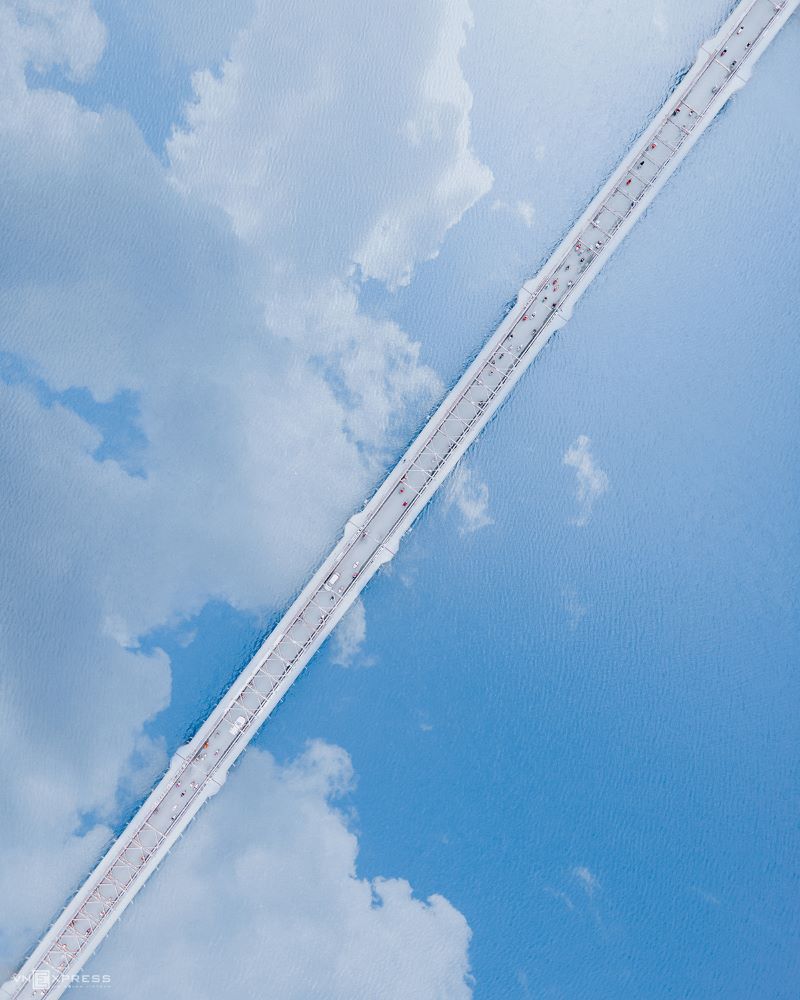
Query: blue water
(619, 698)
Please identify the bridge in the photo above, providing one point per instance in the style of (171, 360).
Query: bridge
(371, 537)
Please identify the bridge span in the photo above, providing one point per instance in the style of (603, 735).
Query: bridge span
(371, 537)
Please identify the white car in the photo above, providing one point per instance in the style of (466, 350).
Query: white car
(238, 726)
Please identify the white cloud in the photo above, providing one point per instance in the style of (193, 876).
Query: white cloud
(575, 608)
(378, 121)
(413, 227)
(707, 897)
(660, 22)
(349, 637)
(592, 480)
(72, 698)
(526, 212)
(470, 496)
(522, 210)
(562, 897)
(264, 899)
(588, 881)
(45, 33)
(269, 400)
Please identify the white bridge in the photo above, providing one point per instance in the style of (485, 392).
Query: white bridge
(371, 537)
